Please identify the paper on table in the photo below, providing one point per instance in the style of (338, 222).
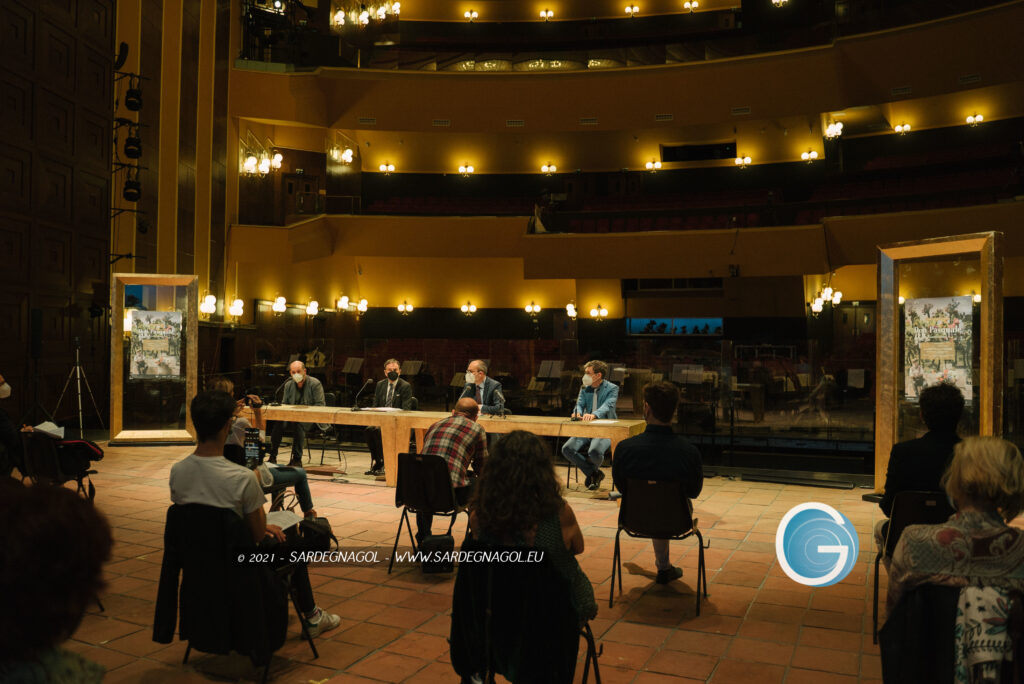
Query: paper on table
(382, 408)
(603, 421)
(283, 519)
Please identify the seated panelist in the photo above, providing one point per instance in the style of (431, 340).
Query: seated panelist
(391, 392)
(483, 390)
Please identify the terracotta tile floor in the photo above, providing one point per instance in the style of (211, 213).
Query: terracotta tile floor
(756, 626)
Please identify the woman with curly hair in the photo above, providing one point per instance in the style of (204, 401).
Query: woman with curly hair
(518, 502)
(54, 544)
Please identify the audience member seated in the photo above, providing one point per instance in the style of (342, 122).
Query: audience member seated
(918, 464)
(206, 477)
(10, 441)
(391, 392)
(270, 474)
(518, 502)
(300, 390)
(462, 442)
(975, 550)
(659, 454)
(54, 546)
(597, 399)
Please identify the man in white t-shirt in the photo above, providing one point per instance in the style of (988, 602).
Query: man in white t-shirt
(206, 477)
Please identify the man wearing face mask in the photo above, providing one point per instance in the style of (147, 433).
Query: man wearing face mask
(11, 456)
(659, 454)
(596, 400)
(392, 392)
(483, 390)
(300, 390)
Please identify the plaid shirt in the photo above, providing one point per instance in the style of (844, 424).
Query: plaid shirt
(460, 441)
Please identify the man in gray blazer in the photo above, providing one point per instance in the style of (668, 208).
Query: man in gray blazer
(391, 392)
(486, 391)
(302, 390)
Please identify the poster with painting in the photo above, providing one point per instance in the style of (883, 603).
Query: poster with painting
(156, 346)
(938, 346)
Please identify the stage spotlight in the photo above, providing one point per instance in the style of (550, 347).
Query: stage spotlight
(133, 97)
(133, 147)
(132, 190)
(122, 56)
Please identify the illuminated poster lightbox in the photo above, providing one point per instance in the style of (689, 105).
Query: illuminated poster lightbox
(938, 344)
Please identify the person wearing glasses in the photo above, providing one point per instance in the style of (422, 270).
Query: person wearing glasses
(483, 390)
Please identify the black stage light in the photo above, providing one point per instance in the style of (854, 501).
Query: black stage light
(132, 190)
(133, 98)
(122, 56)
(133, 147)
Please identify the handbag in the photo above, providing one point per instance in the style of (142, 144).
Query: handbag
(436, 552)
(311, 534)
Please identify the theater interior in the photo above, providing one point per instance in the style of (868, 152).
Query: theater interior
(741, 198)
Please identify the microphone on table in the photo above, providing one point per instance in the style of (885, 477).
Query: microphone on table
(355, 401)
(275, 402)
(503, 412)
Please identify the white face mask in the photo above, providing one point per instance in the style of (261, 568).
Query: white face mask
(5, 391)
(470, 378)
(588, 380)
(298, 377)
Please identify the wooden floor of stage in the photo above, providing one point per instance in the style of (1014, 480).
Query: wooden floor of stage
(756, 627)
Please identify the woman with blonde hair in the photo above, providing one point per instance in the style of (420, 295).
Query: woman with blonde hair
(976, 546)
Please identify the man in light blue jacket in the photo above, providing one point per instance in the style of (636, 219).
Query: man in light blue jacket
(597, 400)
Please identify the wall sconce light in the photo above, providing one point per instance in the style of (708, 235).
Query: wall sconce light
(208, 305)
(691, 5)
(533, 309)
(362, 306)
(405, 308)
(653, 165)
(469, 308)
(599, 312)
(809, 156)
(902, 129)
(279, 306)
(342, 303)
(338, 19)
(826, 296)
(779, 3)
(743, 162)
(237, 308)
(470, 15)
(466, 170)
(347, 155)
(396, 8)
(386, 168)
(975, 119)
(570, 310)
(548, 169)
(977, 298)
(834, 130)
(632, 10)
(546, 14)
(275, 161)
(251, 165)
(364, 18)
(313, 308)
(382, 12)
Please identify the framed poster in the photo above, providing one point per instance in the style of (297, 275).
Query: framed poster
(155, 345)
(938, 344)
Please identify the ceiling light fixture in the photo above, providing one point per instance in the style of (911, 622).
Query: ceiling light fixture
(834, 130)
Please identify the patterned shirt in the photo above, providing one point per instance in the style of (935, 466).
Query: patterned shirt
(460, 441)
(970, 548)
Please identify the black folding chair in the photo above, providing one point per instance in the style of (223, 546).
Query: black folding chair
(908, 508)
(657, 510)
(45, 464)
(517, 620)
(424, 486)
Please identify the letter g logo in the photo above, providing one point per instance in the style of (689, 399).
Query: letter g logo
(816, 545)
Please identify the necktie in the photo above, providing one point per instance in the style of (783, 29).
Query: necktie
(479, 395)
(391, 393)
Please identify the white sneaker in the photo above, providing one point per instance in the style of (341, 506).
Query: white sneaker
(324, 622)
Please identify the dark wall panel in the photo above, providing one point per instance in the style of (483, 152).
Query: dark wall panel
(188, 96)
(55, 131)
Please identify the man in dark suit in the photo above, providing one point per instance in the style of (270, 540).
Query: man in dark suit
(484, 390)
(392, 392)
(660, 454)
(918, 464)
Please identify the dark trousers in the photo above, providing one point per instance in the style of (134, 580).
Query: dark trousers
(303, 590)
(10, 455)
(277, 429)
(425, 520)
(376, 447)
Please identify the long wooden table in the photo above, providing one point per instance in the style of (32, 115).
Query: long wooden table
(395, 426)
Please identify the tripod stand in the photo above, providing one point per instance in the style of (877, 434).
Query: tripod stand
(79, 375)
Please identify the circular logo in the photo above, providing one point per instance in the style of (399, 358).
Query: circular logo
(816, 545)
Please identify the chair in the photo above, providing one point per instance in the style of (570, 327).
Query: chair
(46, 461)
(224, 605)
(424, 486)
(908, 508)
(278, 493)
(516, 619)
(657, 510)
